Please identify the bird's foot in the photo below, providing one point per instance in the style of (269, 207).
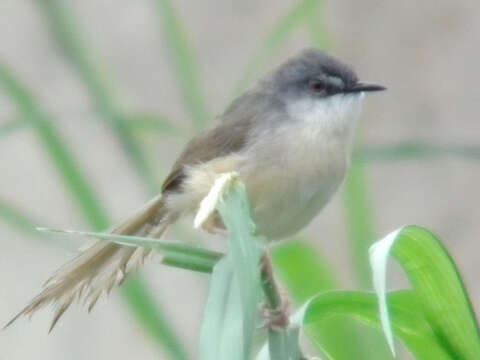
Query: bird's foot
(275, 318)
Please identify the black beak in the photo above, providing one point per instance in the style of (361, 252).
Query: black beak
(362, 87)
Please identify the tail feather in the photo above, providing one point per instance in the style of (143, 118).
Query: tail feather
(97, 269)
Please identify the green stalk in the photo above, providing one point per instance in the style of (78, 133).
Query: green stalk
(62, 26)
(359, 222)
(282, 30)
(147, 312)
(60, 155)
(183, 63)
(80, 190)
(361, 233)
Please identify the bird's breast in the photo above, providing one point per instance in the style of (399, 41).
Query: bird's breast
(291, 175)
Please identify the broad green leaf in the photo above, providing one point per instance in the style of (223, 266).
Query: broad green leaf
(230, 317)
(305, 274)
(436, 284)
(183, 63)
(245, 249)
(378, 261)
(215, 313)
(408, 321)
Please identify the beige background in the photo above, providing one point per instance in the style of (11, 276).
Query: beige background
(426, 52)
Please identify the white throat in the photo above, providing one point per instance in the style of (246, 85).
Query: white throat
(335, 116)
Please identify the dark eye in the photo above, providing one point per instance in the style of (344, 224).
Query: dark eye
(318, 86)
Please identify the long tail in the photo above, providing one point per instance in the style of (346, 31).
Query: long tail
(100, 267)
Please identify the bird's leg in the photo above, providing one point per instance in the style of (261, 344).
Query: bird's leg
(275, 311)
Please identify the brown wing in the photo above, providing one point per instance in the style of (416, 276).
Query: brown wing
(229, 136)
(226, 138)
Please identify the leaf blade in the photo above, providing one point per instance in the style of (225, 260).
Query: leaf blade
(407, 318)
(440, 290)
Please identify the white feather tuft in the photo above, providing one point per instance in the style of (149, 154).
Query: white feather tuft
(209, 203)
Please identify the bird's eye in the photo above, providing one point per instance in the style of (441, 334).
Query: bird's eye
(318, 86)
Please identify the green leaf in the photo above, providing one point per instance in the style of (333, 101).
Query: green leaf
(284, 344)
(305, 274)
(245, 250)
(408, 320)
(222, 332)
(62, 25)
(173, 253)
(183, 63)
(230, 317)
(437, 285)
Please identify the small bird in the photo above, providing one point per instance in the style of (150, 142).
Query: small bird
(289, 138)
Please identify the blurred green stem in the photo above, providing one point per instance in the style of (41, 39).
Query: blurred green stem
(147, 312)
(183, 63)
(359, 222)
(63, 28)
(59, 153)
(284, 28)
(84, 197)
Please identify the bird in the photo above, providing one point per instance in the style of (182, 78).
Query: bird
(289, 138)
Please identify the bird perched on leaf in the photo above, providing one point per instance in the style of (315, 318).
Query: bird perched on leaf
(289, 139)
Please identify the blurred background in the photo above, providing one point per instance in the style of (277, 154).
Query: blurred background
(97, 98)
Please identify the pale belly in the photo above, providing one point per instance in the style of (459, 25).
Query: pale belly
(285, 193)
(288, 192)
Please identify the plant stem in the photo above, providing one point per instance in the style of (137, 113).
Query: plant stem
(279, 325)
(269, 285)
